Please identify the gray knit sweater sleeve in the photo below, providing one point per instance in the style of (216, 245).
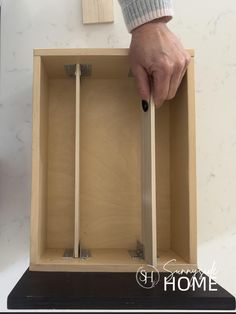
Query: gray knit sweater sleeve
(138, 12)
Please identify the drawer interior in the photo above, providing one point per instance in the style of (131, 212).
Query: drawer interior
(175, 178)
(109, 224)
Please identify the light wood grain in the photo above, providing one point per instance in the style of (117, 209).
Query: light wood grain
(97, 11)
(61, 164)
(108, 260)
(70, 53)
(179, 172)
(169, 260)
(107, 148)
(110, 191)
(182, 170)
(77, 164)
(162, 139)
(176, 172)
(192, 164)
(39, 161)
(149, 184)
(105, 260)
(106, 62)
(102, 66)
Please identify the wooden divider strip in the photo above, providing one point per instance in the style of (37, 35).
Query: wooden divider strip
(149, 185)
(77, 162)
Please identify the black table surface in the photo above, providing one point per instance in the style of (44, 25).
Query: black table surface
(79, 290)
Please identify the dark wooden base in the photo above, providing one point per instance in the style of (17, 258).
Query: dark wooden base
(67, 290)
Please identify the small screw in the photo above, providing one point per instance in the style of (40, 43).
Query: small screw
(145, 105)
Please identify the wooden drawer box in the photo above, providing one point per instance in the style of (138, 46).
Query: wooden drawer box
(109, 181)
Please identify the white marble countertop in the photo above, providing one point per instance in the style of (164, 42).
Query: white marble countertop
(209, 28)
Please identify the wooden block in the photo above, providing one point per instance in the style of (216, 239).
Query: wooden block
(97, 11)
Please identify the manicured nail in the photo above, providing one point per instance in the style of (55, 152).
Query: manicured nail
(145, 105)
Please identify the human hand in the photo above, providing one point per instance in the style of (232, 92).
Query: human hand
(157, 59)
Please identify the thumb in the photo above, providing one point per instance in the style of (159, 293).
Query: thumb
(142, 82)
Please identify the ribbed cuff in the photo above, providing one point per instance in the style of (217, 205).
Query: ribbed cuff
(138, 12)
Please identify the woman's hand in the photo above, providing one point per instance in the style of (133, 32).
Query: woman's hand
(157, 59)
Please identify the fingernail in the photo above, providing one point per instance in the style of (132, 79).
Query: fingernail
(145, 105)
